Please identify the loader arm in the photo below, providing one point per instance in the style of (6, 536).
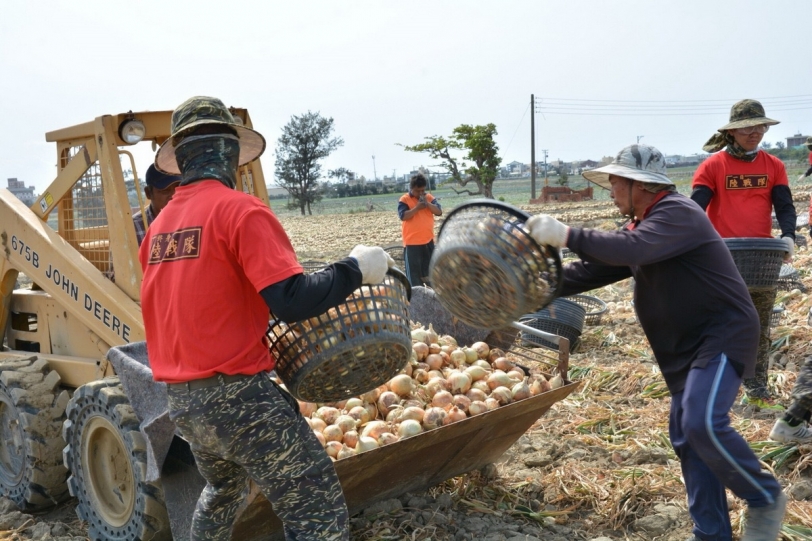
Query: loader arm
(30, 246)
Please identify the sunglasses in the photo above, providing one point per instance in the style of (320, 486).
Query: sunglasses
(761, 128)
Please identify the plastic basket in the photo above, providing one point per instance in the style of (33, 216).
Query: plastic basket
(396, 251)
(349, 350)
(595, 308)
(487, 271)
(759, 260)
(562, 317)
(789, 279)
(778, 313)
(313, 265)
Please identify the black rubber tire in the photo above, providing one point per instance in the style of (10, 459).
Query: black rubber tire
(32, 408)
(107, 458)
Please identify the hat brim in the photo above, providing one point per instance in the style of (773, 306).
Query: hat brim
(746, 123)
(252, 145)
(600, 176)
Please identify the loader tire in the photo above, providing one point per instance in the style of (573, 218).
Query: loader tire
(32, 408)
(107, 458)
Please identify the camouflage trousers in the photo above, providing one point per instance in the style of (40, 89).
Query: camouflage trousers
(251, 429)
(801, 407)
(763, 299)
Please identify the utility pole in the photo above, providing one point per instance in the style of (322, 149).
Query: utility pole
(545, 167)
(374, 172)
(639, 137)
(532, 146)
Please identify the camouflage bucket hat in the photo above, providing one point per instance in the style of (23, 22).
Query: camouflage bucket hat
(200, 111)
(636, 162)
(746, 113)
(809, 142)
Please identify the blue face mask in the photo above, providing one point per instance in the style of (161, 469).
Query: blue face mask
(214, 156)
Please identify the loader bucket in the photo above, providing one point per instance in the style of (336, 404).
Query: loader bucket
(417, 463)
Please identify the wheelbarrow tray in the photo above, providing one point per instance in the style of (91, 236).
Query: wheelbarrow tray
(417, 463)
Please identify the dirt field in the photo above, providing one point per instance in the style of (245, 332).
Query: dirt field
(598, 466)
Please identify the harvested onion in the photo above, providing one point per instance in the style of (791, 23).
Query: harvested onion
(401, 385)
(409, 428)
(433, 418)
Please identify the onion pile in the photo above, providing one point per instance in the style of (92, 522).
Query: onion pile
(443, 384)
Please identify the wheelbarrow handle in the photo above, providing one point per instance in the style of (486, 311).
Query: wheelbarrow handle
(563, 345)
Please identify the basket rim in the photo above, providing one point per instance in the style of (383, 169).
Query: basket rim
(484, 202)
(600, 304)
(769, 244)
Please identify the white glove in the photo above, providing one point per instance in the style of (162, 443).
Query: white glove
(803, 176)
(547, 231)
(790, 242)
(373, 262)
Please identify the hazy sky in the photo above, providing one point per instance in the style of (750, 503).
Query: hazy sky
(395, 72)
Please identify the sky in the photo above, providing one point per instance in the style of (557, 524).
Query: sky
(604, 73)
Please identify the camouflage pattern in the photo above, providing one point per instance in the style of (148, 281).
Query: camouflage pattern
(743, 114)
(801, 407)
(746, 113)
(200, 111)
(809, 142)
(251, 429)
(756, 387)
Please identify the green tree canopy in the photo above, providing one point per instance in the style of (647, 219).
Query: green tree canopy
(473, 143)
(305, 140)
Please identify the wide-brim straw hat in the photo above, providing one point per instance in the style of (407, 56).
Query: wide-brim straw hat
(636, 162)
(746, 113)
(200, 111)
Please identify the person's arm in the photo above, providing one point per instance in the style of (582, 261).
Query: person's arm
(784, 210)
(580, 276)
(407, 214)
(434, 207)
(702, 196)
(303, 296)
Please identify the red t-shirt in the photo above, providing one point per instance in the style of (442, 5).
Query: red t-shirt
(205, 258)
(742, 193)
(419, 229)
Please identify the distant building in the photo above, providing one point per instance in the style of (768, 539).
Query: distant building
(23, 193)
(796, 140)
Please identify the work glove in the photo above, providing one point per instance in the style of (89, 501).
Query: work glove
(803, 176)
(373, 262)
(547, 231)
(790, 242)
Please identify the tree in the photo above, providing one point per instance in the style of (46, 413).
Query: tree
(780, 145)
(305, 140)
(766, 145)
(477, 145)
(342, 174)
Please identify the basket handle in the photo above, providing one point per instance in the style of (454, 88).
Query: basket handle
(483, 202)
(398, 274)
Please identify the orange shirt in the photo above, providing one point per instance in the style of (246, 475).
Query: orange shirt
(419, 229)
(205, 259)
(742, 193)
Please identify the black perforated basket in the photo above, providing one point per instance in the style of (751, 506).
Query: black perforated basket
(562, 317)
(397, 253)
(487, 271)
(595, 308)
(349, 350)
(758, 260)
(312, 265)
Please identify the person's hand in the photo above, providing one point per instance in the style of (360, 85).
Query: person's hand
(546, 230)
(373, 262)
(422, 203)
(790, 242)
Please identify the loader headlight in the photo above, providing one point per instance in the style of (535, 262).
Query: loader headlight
(132, 131)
